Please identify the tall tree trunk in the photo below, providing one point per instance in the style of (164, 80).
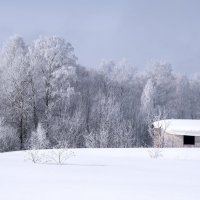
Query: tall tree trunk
(21, 134)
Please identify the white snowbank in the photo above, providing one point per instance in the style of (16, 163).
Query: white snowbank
(103, 174)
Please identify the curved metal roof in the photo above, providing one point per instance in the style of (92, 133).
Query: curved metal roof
(179, 126)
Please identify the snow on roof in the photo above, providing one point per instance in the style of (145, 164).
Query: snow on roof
(179, 126)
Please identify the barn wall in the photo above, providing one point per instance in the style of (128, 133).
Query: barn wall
(173, 140)
(197, 141)
(163, 139)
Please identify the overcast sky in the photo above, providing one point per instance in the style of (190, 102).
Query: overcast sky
(140, 30)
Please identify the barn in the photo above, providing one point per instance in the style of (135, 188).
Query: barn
(176, 133)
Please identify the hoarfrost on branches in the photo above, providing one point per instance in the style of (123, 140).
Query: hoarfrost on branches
(48, 100)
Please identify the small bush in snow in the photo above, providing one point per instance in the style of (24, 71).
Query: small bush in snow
(58, 156)
(34, 156)
(38, 140)
(51, 156)
(155, 153)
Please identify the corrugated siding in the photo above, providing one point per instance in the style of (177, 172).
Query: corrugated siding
(163, 139)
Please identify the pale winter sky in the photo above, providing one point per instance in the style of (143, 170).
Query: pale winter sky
(140, 30)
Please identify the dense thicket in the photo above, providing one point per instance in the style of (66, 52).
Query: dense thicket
(48, 100)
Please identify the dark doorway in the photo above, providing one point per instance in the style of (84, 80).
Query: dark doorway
(190, 140)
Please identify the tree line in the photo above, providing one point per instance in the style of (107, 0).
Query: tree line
(49, 100)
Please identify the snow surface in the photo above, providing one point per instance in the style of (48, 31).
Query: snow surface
(179, 126)
(103, 174)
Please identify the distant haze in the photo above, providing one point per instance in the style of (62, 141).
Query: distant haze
(139, 30)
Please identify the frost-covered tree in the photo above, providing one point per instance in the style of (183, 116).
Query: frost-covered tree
(195, 96)
(9, 140)
(163, 81)
(15, 86)
(159, 96)
(38, 139)
(183, 97)
(148, 110)
(54, 64)
(148, 101)
(114, 105)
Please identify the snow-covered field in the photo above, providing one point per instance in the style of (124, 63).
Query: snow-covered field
(103, 174)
